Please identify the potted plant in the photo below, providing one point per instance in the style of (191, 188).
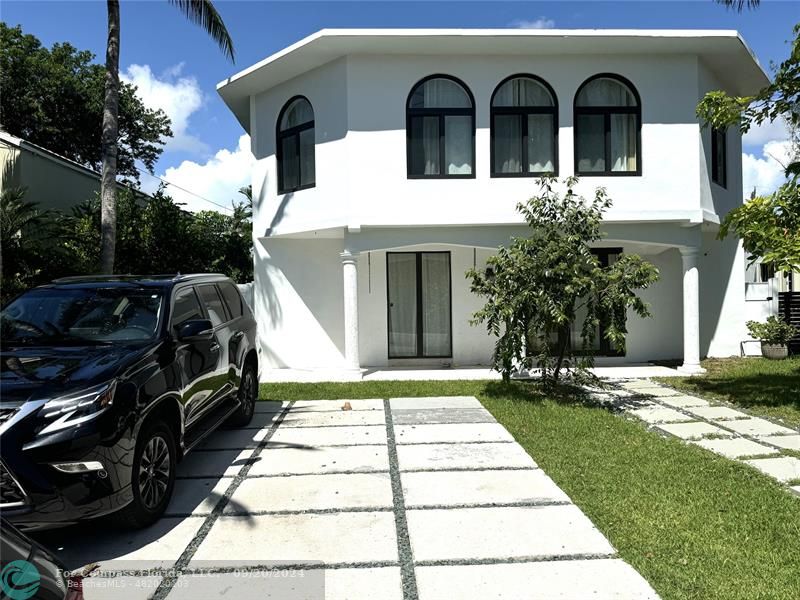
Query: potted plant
(774, 334)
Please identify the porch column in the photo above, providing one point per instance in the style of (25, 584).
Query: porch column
(691, 311)
(350, 274)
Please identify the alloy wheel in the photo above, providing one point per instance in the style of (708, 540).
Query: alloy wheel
(154, 472)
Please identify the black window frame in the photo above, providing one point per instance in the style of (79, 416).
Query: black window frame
(225, 314)
(441, 113)
(420, 317)
(719, 143)
(606, 112)
(523, 112)
(605, 349)
(220, 288)
(174, 297)
(281, 135)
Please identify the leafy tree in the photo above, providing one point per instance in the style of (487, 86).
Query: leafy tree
(536, 288)
(769, 227)
(201, 12)
(54, 98)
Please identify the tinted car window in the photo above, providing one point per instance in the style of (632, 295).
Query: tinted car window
(186, 307)
(232, 299)
(210, 297)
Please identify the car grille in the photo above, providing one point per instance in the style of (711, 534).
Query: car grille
(11, 494)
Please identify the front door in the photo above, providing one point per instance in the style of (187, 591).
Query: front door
(419, 304)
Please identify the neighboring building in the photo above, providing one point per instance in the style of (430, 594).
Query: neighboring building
(388, 162)
(55, 182)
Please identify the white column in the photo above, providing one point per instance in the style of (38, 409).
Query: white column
(350, 274)
(691, 311)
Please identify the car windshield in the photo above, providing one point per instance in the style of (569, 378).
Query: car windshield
(82, 315)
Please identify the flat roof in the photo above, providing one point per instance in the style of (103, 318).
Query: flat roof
(724, 51)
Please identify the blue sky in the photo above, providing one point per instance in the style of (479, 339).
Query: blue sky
(177, 66)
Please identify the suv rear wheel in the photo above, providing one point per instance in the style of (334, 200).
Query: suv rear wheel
(153, 476)
(248, 394)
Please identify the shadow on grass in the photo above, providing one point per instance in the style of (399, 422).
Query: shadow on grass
(768, 390)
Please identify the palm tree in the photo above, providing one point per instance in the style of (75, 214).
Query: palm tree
(201, 12)
(739, 4)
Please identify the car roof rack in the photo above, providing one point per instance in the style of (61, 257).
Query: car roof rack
(131, 277)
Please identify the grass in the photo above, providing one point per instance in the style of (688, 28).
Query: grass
(770, 388)
(693, 524)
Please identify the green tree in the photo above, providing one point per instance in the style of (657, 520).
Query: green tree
(201, 12)
(54, 98)
(537, 286)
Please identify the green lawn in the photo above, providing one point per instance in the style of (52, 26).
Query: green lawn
(770, 388)
(695, 525)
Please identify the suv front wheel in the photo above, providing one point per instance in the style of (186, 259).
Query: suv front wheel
(248, 394)
(153, 476)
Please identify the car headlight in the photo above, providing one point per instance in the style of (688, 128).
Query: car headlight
(78, 407)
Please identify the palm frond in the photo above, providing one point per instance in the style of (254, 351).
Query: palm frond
(739, 5)
(203, 13)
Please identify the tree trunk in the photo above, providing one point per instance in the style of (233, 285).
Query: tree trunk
(108, 183)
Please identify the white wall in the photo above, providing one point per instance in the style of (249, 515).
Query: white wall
(359, 103)
(722, 305)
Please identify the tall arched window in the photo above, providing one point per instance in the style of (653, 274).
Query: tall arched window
(440, 129)
(608, 117)
(295, 146)
(524, 128)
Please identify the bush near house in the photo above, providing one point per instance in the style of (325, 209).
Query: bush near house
(155, 235)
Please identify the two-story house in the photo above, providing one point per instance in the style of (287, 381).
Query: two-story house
(388, 162)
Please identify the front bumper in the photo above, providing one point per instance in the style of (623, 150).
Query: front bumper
(37, 495)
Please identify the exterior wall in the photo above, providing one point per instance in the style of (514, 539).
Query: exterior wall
(713, 197)
(51, 183)
(722, 303)
(360, 111)
(299, 303)
(327, 204)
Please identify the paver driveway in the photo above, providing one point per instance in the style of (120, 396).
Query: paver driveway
(425, 498)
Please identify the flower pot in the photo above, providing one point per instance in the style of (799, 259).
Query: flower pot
(774, 351)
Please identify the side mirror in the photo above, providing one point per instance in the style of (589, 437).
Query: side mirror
(198, 330)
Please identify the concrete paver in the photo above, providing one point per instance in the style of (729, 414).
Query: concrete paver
(311, 437)
(322, 459)
(479, 487)
(683, 401)
(451, 433)
(327, 418)
(717, 413)
(434, 402)
(346, 537)
(660, 414)
(603, 579)
(758, 427)
(197, 496)
(464, 456)
(219, 463)
(497, 533)
(311, 492)
(784, 468)
(441, 415)
(336, 405)
(735, 447)
(787, 442)
(694, 431)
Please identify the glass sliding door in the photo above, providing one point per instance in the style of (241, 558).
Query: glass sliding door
(419, 304)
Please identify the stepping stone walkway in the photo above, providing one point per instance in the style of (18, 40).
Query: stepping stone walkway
(728, 432)
(401, 499)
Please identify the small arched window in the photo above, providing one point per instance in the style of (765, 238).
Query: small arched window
(524, 128)
(608, 116)
(295, 146)
(440, 129)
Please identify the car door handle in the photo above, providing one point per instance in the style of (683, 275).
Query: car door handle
(214, 347)
(237, 336)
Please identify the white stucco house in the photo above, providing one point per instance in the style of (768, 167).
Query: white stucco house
(388, 162)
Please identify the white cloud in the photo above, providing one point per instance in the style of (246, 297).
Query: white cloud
(540, 23)
(178, 96)
(218, 179)
(766, 132)
(765, 173)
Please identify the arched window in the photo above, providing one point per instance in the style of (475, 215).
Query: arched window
(524, 128)
(608, 117)
(295, 146)
(440, 127)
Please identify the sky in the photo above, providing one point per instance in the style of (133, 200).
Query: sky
(176, 66)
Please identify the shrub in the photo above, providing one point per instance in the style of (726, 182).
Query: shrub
(774, 331)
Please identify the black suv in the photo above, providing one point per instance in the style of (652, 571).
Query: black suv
(107, 382)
